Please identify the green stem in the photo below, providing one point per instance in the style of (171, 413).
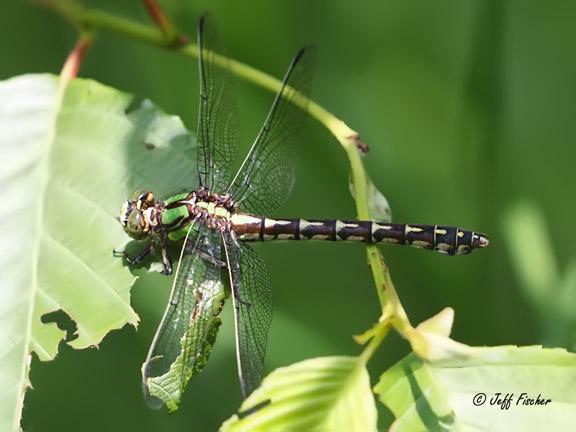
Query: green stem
(381, 332)
(346, 136)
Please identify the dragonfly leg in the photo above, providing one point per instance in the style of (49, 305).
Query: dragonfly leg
(239, 301)
(166, 260)
(244, 303)
(211, 259)
(137, 259)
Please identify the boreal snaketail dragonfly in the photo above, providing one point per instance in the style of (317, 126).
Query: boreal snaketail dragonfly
(223, 212)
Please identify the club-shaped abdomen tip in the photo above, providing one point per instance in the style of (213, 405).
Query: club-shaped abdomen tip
(483, 241)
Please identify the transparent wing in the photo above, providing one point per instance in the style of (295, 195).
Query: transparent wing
(218, 127)
(252, 310)
(185, 336)
(266, 176)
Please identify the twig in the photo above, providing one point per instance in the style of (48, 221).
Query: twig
(74, 60)
(164, 23)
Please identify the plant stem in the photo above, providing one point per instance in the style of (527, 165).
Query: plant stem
(74, 60)
(382, 330)
(163, 22)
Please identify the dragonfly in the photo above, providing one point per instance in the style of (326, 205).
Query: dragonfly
(218, 218)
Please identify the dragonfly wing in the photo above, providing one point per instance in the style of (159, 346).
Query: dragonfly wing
(186, 334)
(218, 125)
(252, 299)
(266, 176)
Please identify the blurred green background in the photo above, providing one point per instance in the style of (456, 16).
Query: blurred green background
(468, 109)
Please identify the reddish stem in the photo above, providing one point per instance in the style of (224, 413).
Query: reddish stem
(164, 23)
(159, 17)
(74, 61)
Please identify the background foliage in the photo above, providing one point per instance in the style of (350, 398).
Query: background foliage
(468, 109)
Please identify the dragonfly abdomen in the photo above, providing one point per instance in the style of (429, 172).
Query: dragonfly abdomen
(445, 239)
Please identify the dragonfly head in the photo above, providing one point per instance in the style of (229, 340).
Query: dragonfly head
(136, 214)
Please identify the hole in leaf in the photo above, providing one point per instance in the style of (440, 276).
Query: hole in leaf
(134, 105)
(63, 321)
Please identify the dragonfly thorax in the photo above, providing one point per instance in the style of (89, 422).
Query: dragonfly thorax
(142, 215)
(214, 209)
(174, 215)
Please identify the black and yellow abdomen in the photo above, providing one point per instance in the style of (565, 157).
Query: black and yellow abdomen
(445, 239)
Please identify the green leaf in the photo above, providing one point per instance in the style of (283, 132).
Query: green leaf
(441, 395)
(567, 293)
(531, 252)
(195, 347)
(69, 160)
(377, 202)
(326, 393)
(430, 339)
(550, 291)
(27, 113)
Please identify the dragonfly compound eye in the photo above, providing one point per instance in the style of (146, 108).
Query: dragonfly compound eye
(136, 226)
(125, 211)
(143, 199)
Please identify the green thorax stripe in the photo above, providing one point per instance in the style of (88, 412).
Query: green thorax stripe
(445, 239)
(179, 210)
(176, 216)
